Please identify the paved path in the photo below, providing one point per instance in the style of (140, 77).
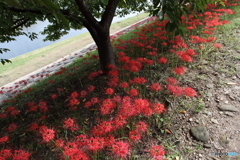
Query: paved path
(12, 89)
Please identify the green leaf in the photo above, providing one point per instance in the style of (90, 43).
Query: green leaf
(13, 3)
(64, 21)
(105, 2)
(170, 27)
(3, 61)
(50, 5)
(170, 15)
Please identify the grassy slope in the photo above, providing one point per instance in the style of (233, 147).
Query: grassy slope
(34, 60)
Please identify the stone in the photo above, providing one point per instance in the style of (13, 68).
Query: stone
(214, 120)
(206, 145)
(228, 108)
(223, 141)
(200, 133)
(229, 114)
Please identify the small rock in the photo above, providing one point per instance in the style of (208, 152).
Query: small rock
(214, 120)
(209, 85)
(220, 112)
(190, 120)
(223, 141)
(228, 108)
(207, 145)
(229, 114)
(200, 133)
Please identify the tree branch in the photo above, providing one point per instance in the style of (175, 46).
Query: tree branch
(109, 12)
(87, 14)
(14, 9)
(20, 24)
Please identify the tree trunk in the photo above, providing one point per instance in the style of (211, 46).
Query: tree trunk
(105, 50)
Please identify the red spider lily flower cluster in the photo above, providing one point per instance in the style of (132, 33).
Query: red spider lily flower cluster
(119, 109)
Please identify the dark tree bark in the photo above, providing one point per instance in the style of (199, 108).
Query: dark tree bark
(100, 31)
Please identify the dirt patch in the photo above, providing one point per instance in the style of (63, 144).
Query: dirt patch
(217, 80)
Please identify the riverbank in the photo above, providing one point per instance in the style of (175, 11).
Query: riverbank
(29, 62)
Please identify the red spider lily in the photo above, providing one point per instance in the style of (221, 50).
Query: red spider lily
(74, 154)
(172, 81)
(33, 108)
(81, 140)
(91, 88)
(103, 128)
(109, 91)
(34, 126)
(96, 143)
(134, 135)
(146, 111)
(9, 109)
(141, 127)
(121, 54)
(47, 134)
(186, 58)
(43, 106)
(162, 60)
(133, 92)
(175, 90)
(15, 112)
(149, 62)
(157, 152)
(124, 59)
(190, 52)
(138, 80)
(74, 95)
(4, 139)
(117, 99)
(217, 45)
(207, 32)
(5, 154)
(124, 85)
(11, 127)
(20, 155)
(94, 74)
(83, 93)
(68, 123)
(54, 96)
(59, 143)
(158, 108)
(87, 104)
(180, 70)
(190, 92)
(3, 115)
(152, 53)
(107, 106)
(155, 87)
(120, 121)
(120, 149)
(113, 73)
(113, 82)
(94, 100)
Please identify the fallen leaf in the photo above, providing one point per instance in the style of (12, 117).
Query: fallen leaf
(232, 83)
(168, 131)
(183, 112)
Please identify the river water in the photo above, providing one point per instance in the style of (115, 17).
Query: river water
(24, 45)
